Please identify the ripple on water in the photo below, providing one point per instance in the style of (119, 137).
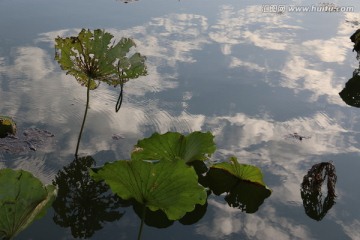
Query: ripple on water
(39, 166)
(150, 114)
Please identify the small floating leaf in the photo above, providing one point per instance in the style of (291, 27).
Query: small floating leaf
(23, 199)
(173, 145)
(243, 184)
(170, 186)
(242, 171)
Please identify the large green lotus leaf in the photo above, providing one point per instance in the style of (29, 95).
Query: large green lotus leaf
(173, 145)
(170, 186)
(23, 199)
(242, 171)
(93, 55)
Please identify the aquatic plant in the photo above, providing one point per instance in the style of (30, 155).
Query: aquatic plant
(92, 58)
(242, 183)
(23, 199)
(165, 173)
(173, 145)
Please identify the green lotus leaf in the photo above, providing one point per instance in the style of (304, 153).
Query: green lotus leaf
(92, 55)
(170, 186)
(242, 171)
(242, 183)
(173, 145)
(23, 199)
(244, 195)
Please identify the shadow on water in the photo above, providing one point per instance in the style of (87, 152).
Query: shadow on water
(351, 93)
(83, 204)
(316, 207)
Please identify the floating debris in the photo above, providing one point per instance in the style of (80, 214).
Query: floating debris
(297, 136)
(117, 137)
(31, 139)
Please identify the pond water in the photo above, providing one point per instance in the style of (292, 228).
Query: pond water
(252, 78)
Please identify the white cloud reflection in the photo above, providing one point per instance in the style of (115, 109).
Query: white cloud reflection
(303, 75)
(30, 62)
(352, 229)
(330, 50)
(248, 25)
(228, 221)
(304, 68)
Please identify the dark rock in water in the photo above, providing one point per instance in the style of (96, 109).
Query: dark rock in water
(31, 140)
(7, 126)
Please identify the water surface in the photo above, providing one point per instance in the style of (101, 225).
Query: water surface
(251, 78)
